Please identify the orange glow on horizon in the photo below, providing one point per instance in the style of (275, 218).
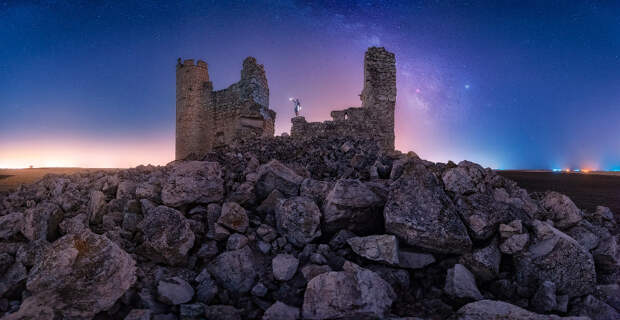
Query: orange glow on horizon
(86, 153)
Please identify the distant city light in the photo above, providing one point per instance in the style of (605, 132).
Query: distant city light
(556, 170)
(577, 170)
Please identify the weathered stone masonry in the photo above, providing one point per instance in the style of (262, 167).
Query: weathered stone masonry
(207, 119)
(375, 118)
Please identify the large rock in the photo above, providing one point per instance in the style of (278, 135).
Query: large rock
(235, 270)
(483, 199)
(284, 266)
(168, 236)
(299, 220)
(234, 217)
(276, 176)
(14, 277)
(593, 308)
(419, 212)
(11, 224)
(315, 189)
(80, 275)
(483, 262)
(352, 293)
(490, 309)
(351, 205)
(193, 182)
(174, 291)
(376, 247)
(41, 222)
(561, 210)
(554, 256)
(461, 284)
(545, 300)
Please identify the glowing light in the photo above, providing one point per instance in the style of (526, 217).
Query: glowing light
(586, 170)
(566, 170)
(466, 86)
(417, 90)
(556, 170)
(577, 170)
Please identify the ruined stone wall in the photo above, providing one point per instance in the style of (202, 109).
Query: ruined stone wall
(208, 119)
(375, 118)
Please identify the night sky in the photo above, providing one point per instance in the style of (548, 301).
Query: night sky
(508, 84)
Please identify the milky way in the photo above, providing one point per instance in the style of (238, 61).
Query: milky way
(513, 84)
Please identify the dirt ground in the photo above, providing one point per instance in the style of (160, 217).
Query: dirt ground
(13, 178)
(586, 190)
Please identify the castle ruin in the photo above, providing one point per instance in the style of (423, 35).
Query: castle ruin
(375, 118)
(207, 119)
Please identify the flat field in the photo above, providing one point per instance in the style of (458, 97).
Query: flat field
(13, 178)
(587, 190)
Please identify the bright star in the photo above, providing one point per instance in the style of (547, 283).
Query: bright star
(466, 86)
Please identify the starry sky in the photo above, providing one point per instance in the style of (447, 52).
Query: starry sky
(508, 84)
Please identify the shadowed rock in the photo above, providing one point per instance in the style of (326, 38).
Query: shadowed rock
(79, 276)
(168, 236)
(421, 214)
(193, 181)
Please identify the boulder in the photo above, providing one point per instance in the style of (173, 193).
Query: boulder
(584, 233)
(298, 219)
(610, 294)
(376, 247)
(483, 199)
(14, 277)
(97, 206)
(168, 236)
(284, 266)
(207, 288)
(276, 176)
(79, 276)
(490, 309)
(235, 270)
(233, 217)
(193, 182)
(236, 241)
(556, 257)
(483, 262)
(352, 293)
(11, 224)
(544, 300)
(315, 189)
(606, 254)
(420, 213)
(41, 222)
(561, 210)
(268, 206)
(281, 311)
(351, 205)
(514, 244)
(593, 308)
(461, 284)
(174, 291)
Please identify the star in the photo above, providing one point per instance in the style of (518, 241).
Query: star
(466, 86)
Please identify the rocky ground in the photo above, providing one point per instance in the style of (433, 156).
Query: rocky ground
(313, 229)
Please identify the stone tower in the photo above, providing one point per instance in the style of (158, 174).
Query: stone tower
(379, 93)
(208, 119)
(192, 121)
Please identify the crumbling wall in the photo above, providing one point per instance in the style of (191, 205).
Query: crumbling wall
(375, 118)
(208, 119)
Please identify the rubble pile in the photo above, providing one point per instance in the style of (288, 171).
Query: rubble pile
(317, 228)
